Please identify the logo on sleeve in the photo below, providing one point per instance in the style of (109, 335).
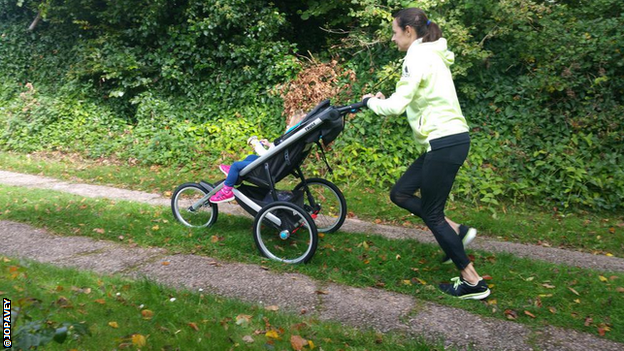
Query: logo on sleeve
(406, 73)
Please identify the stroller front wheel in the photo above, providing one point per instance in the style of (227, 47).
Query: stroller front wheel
(285, 232)
(188, 208)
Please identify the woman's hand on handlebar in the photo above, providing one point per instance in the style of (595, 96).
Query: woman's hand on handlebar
(379, 95)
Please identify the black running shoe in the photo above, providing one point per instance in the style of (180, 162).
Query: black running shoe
(460, 288)
(466, 235)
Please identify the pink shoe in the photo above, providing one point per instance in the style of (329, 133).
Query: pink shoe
(224, 195)
(225, 169)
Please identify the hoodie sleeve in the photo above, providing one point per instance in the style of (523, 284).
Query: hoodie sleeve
(404, 94)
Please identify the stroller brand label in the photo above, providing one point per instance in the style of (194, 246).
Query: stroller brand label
(312, 125)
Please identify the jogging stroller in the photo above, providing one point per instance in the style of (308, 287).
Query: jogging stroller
(287, 222)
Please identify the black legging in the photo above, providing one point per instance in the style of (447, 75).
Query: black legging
(434, 173)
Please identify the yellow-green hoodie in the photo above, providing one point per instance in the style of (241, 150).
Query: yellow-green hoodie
(426, 92)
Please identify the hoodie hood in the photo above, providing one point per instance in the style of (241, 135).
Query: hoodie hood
(437, 47)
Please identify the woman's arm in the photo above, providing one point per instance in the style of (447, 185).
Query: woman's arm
(397, 103)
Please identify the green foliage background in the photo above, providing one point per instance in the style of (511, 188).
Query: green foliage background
(185, 82)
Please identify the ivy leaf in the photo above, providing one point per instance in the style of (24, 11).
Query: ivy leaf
(60, 334)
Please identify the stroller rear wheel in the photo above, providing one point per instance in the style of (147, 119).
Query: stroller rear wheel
(285, 232)
(189, 209)
(326, 203)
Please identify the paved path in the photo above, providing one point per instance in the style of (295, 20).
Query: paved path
(378, 309)
(534, 252)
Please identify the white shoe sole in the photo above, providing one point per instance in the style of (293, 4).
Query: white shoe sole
(222, 201)
(479, 296)
(470, 235)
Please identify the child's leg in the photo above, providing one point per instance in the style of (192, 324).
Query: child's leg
(235, 169)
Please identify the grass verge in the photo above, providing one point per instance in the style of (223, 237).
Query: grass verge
(108, 312)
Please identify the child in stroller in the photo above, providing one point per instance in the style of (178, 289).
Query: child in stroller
(261, 147)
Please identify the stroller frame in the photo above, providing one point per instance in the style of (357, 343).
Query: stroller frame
(259, 173)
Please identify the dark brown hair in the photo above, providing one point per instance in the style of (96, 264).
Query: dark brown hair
(417, 19)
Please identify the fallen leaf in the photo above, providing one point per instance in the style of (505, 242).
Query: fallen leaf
(407, 282)
(113, 325)
(100, 301)
(603, 279)
(248, 339)
(243, 319)
(193, 326)
(601, 331)
(365, 244)
(99, 230)
(156, 227)
(552, 310)
(548, 286)
(420, 281)
(272, 334)
(619, 289)
(272, 308)
(574, 291)
(165, 263)
(529, 314)
(147, 314)
(486, 277)
(311, 344)
(511, 314)
(298, 342)
(322, 292)
(577, 300)
(214, 239)
(138, 340)
(588, 321)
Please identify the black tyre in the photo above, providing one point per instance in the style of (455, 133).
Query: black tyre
(325, 203)
(185, 197)
(292, 241)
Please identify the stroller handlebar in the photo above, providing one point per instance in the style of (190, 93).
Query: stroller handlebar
(353, 108)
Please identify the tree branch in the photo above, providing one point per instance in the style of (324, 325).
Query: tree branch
(35, 22)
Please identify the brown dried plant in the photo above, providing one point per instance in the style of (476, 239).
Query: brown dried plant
(316, 82)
